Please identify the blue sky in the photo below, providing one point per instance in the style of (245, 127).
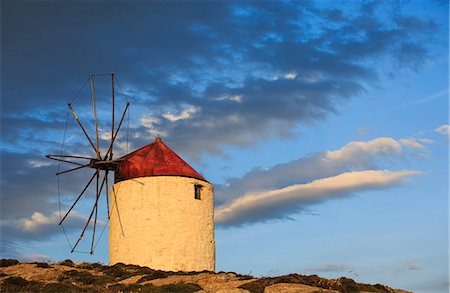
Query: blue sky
(323, 126)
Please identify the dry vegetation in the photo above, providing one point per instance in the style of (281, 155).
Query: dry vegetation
(68, 276)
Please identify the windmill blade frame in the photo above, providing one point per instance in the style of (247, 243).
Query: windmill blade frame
(102, 164)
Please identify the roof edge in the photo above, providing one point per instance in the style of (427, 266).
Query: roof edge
(147, 176)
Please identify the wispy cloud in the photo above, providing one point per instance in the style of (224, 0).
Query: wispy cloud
(281, 203)
(430, 98)
(357, 155)
(363, 153)
(34, 257)
(412, 143)
(42, 226)
(285, 189)
(444, 130)
(185, 114)
(332, 267)
(40, 223)
(40, 163)
(413, 266)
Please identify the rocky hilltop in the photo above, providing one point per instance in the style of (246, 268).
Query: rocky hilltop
(68, 276)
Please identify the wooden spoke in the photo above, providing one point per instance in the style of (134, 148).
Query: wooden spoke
(65, 161)
(117, 131)
(78, 198)
(70, 170)
(88, 220)
(82, 128)
(67, 156)
(97, 151)
(112, 118)
(99, 192)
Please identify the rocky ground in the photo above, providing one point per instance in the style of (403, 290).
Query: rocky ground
(67, 276)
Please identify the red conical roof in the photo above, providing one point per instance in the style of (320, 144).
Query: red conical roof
(155, 159)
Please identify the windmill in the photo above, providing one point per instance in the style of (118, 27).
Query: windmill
(102, 163)
(162, 210)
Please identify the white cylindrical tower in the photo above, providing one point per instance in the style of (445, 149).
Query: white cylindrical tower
(161, 212)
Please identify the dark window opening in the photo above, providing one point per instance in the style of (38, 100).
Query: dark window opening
(198, 189)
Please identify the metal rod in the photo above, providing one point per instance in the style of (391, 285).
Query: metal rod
(70, 170)
(95, 115)
(87, 223)
(112, 118)
(82, 128)
(117, 131)
(78, 198)
(65, 161)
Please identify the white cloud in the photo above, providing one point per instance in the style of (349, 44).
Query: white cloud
(413, 266)
(35, 257)
(39, 163)
(40, 226)
(427, 99)
(358, 155)
(43, 226)
(443, 129)
(236, 98)
(157, 133)
(425, 140)
(121, 148)
(38, 221)
(186, 114)
(332, 267)
(291, 75)
(412, 143)
(432, 97)
(276, 204)
(104, 134)
(151, 124)
(149, 121)
(359, 152)
(234, 119)
(409, 266)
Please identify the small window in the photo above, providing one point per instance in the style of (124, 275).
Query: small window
(198, 189)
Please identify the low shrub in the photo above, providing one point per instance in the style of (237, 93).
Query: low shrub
(61, 287)
(172, 288)
(18, 284)
(16, 281)
(4, 262)
(83, 277)
(117, 271)
(192, 273)
(67, 262)
(342, 284)
(125, 288)
(244, 277)
(90, 265)
(153, 275)
(181, 287)
(120, 271)
(257, 286)
(43, 265)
